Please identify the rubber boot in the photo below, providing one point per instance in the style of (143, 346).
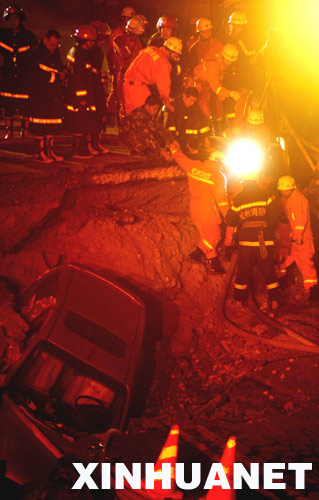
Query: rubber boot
(9, 128)
(96, 143)
(197, 255)
(215, 266)
(80, 149)
(25, 128)
(92, 145)
(49, 142)
(40, 154)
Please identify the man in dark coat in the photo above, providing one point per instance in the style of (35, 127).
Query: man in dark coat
(46, 96)
(15, 45)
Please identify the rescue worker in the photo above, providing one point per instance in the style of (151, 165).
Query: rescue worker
(81, 112)
(166, 26)
(152, 66)
(112, 101)
(296, 209)
(15, 45)
(206, 47)
(188, 123)
(143, 133)
(46, 97)
(250, 214)
(97, 56)
(208, 202)
(127, 47)
(208, 76)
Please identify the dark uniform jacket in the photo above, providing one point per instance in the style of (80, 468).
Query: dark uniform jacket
(15, 49)
(81, 101)
(46, 87)
(252, 212)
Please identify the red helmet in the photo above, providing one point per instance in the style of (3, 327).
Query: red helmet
(102, 29)
(86, 32)
(13, 9)
(167, 22)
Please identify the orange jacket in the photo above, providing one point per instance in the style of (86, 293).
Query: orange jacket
(297, 211)
(213, 73)
(207, 184)
(151, 67)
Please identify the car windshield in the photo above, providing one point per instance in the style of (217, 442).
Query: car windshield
(64, 393)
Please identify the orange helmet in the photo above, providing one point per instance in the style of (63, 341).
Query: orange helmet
(237, 17)
(174, 44)
(134, 25)
(86, 32)
(128, 12)
(102, 29)
(203, 24)
(167, 22)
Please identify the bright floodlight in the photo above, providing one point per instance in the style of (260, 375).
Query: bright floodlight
(244, 159)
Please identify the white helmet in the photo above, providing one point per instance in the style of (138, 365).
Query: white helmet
(174, 44)
(128, 12)
(255, 117)
(217, 156)
(134, 25)
(203, 24)
(285, 183)
(238, 18)
(230, 52)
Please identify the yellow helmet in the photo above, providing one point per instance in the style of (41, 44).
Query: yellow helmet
(255, 117)
(238, 18)
(203, 24)
(134, 25)
(174, 44)
(230, 52)
(285, 183)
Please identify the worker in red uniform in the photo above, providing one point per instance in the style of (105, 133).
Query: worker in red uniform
(127, 47)
(296, 208)
(206, 46)
(208, 202)
(112, 101)
(152, 66)
(166, 26)
(208, 76)
(16, 42)
(250, 214)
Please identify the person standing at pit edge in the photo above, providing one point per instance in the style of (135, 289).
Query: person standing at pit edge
(296, 208)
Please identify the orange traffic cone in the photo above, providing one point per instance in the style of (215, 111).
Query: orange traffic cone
(168, 455)
(227, 461)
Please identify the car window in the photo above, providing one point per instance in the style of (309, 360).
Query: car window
(41, 297)
(59, 389)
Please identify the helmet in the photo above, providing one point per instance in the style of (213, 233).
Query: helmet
(174, 44)
(167, 22)
(286, 182)
(255, 117)
(142, 18)
(230, 52)
(203, 24)
(128, 12)
(237, 17)
(102, 29)
(135, 26)
(217, 156)
(86, 32)
(13, 9)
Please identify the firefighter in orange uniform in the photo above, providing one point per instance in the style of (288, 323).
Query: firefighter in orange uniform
(126, 14)
(15, 45)
(250, 213)
(208, 202)
(296, 208)
(152, 66)
(127, 47)
(208, 77)
(206, 46)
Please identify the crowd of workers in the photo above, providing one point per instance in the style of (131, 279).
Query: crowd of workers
(202, 86)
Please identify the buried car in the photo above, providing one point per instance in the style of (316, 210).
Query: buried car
(78, 375)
